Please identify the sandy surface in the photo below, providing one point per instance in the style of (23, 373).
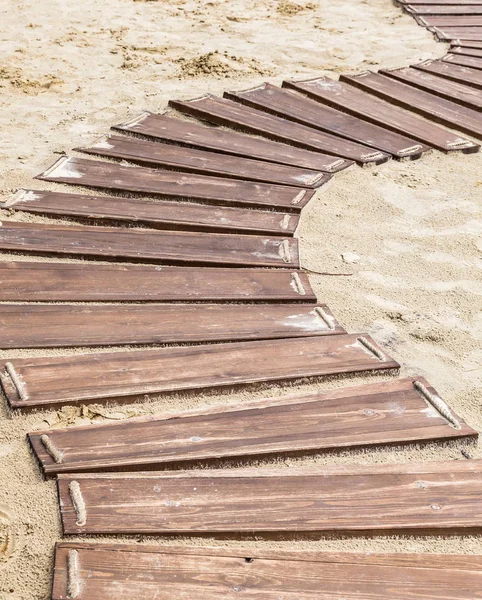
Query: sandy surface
(409, 234)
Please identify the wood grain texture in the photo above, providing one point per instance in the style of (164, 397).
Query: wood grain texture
(468, 44)
(421, 102)
(463, 51)
(121, 572)
(170, 130)
(439, 86)
(436, 496)
(230, 114)
(108, 175)
(69, 282)
(445, 9)
(387, 412)
(472, 62)
(159, 214)
(205, 163)
(452, 21)
(346, 97)
(295, 107)
(70, 325)
(458, 33)
(148, 245)
(470, 77)
(58, 379)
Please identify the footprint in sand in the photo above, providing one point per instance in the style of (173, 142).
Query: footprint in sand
(9, 537)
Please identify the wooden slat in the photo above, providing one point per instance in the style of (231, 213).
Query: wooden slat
(121, 572)
(445, 9)
(468, 44)
(206, 163)
(458, 33)
(158, 214)
(228, 113)
(394, 411)
(470, 77)
(434, 108)
(124, 243)
(473, 62)
(463, 51)
(107, 175)
(431, 496)
(64, 325)
(451, 21)
(68, 282)
(439, 86)
(194, 135)
(355, 102)
(58, 379)
(288, 105)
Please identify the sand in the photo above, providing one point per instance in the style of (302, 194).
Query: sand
(408, 235)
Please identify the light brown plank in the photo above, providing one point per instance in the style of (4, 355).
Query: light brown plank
(148, 245)
(451, 21)
(394, 411)
(445, 9)
(121, 572)
(472, 62)
(470, 77)
(463, 51)
(458, 34)
(435, 496)
(58, 379)
(108, 175)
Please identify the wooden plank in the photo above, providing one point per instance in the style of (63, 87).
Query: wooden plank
(230, 114)
(468, 44)
(423, 103)
(70, 282)
(445, 9)
(108, 175)
(472, 62)
(451, 21)
(433, 496)
(439, 86)
(458, 33)
(388, 412)
(158, 214)
(173, 247)
(191, 160)
(464, 51)
(67, 325)
(348, 98)
(58, 379)
(190, 134)
(470, 77)
(288, 105)
(117, 572)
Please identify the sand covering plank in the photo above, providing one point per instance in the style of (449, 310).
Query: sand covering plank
(470, 77)
(92, 571)
(57, 379)
(401, 410)
(295, 107)
(430, 496)
(346, 97)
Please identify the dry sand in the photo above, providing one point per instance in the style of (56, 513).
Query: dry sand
(409, 234)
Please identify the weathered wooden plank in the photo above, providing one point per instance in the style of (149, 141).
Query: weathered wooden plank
(358, 103)
(295, 107)
(468, 43)
(464, 51)
(125, 243)
(444, 9)
(195, 135)
(401, 410)
(66, 325)
(108, 175)
(70, 282)
(191, 160)
(470, 77)
(158, 214)
(228, 113)
(451, 21)
(58, 379)
(423, 103)
(439, 86)
(118, 572)
(472, 62)
(458, 33)
(435, 496)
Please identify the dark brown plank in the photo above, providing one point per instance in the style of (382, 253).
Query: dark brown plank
(124, 243)
(394, 411)
(230, 114)
(423, 103)
(358, 103)
(191, 160)
(67, 325)
(463, 51)
(195, 135)
(68, 282)
(158, 214)
(443, 21)
(118, 572)
(445, 9)
(473, 62)
(435, 496)
(470, 77)
(458, 33)
(439, 86)
(108, 175)
(58, 379)
(288, 105)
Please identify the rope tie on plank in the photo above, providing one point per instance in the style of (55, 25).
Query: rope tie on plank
(78, 503)
(297, 285)
(73, 583)
(372, 348)
(438, 404)
(285, 251)
(20, 385)
(51, 448)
